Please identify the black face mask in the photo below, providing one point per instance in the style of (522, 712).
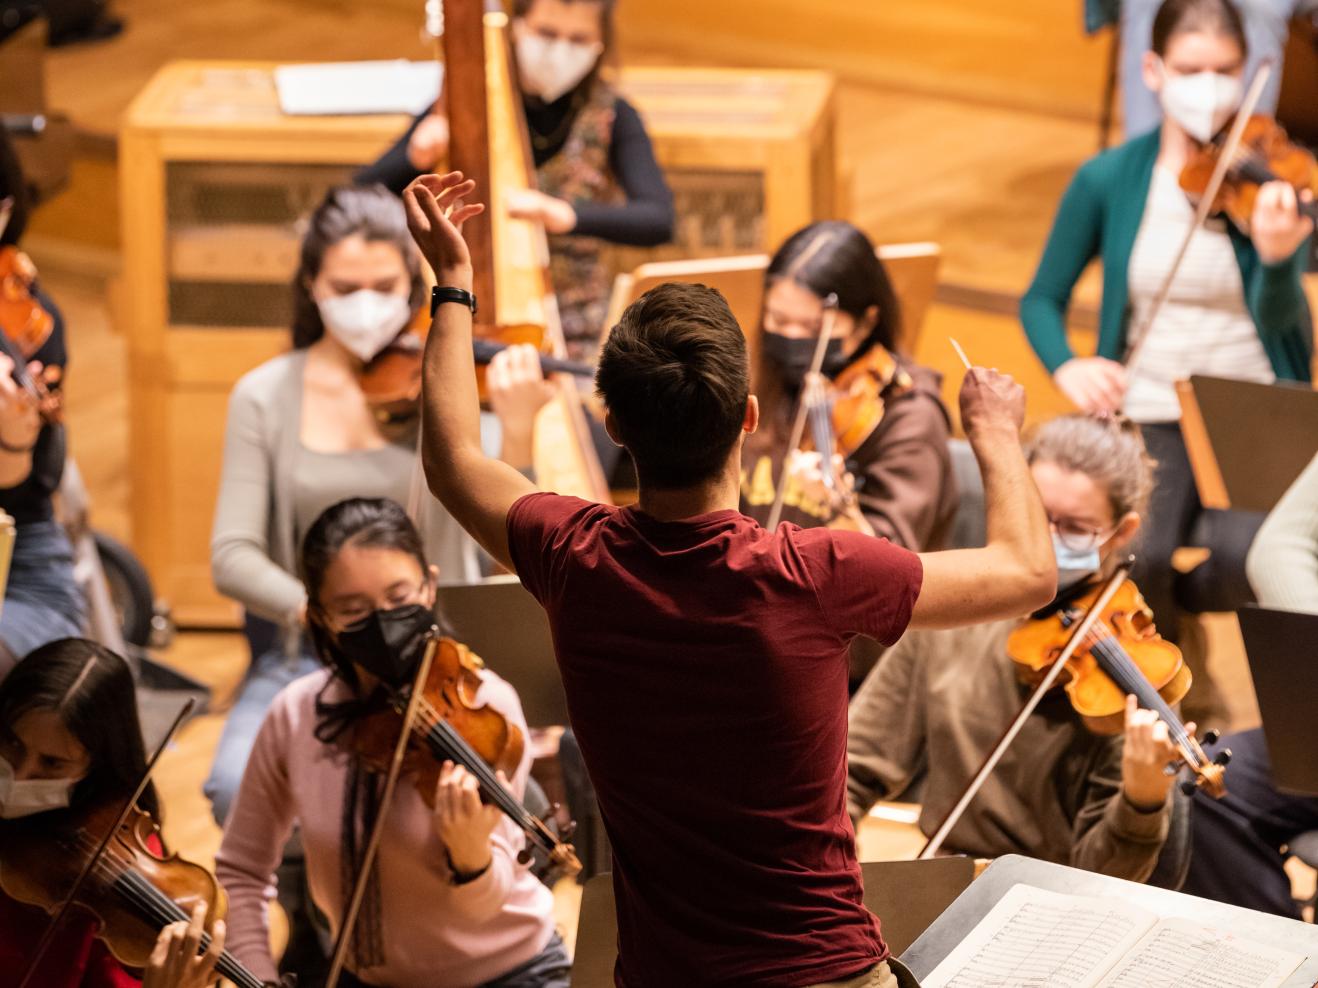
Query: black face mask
(793, 356)
(387, 644)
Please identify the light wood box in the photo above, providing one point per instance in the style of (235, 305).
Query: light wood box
(213, 181)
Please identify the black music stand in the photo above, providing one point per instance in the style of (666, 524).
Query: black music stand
(906, 896)
(974, 904)
(1247, 442)
(500, 621)
(1277, 644)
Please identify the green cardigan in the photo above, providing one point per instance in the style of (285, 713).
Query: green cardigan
(1099, 216)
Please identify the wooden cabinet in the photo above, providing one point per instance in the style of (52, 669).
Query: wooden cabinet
(214, 180)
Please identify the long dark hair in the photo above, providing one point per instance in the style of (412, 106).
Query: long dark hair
(834, 257)
(13, 186)
(370, 210)
(91, 690)
(374, 522)
(1183, 16)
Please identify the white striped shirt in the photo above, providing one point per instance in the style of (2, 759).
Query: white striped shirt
(1204, 326)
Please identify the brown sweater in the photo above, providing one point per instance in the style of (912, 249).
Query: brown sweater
(903, 471)
(937, 703)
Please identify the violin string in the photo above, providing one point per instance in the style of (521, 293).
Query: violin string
(158, 907)
(1122, 668)
(442, 735)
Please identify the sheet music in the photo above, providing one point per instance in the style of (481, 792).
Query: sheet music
(396, 86)
(1034, 938)
(1180, 954)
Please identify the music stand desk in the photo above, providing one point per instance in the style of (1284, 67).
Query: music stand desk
(983, 894)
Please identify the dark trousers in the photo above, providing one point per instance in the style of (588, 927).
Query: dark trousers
(548, 969)
(1238, 839)
(1177, 518)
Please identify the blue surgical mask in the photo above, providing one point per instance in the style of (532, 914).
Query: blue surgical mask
(1073, 565)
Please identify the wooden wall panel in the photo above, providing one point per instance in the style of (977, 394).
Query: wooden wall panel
(1025, 54)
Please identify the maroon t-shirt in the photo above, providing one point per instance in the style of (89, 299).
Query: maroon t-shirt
(705, 665)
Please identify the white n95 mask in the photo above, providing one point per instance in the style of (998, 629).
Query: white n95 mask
(29, 796)
(549, 69)
(366, 321)
(1200, 103)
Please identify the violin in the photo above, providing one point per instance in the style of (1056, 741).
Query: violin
(1122, 655)
(132, 891)
(450, 727)
(1265, 155)
(843, 413)
(25, 326)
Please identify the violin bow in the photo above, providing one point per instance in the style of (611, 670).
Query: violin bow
(1202, 209)
(803, 408)
(44, 943)
(377, 830)
(1073, 643)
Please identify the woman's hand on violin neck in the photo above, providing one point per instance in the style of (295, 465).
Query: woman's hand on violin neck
(462, 821)
(436, 209)
(518, 390)
(177, 960)
(1095, 385)
(1148, 751)
(1278, 228)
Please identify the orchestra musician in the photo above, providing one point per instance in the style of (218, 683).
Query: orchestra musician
(703, 657)
(901, 472)
(598, 181)
(1236, 307)
(42, 600)
(448, 901)
(1241, 842)
(70, 739)
(939, 700)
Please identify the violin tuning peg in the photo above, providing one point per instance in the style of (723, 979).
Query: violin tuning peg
(524, 856)
(1223, 757)
(1189, 788)
(1212, 735)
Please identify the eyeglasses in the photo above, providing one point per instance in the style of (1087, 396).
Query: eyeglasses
(1079, 538)
(344, 616)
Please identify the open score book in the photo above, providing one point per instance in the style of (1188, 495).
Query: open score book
(1034, 938)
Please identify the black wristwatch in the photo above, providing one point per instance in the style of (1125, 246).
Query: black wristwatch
(439, 295)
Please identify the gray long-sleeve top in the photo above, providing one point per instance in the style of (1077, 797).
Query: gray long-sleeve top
(936, 704)
(1283, 562)
(253, 541)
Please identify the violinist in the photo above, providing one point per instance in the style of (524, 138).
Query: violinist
(704, 657)
(939, 700)
(70, 740)
(449, 902)
(42, 599)
(901, 473)
(1235, 309)
(598, 179)
(301, 435)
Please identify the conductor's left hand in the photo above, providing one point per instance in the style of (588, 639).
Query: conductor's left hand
(436, 209)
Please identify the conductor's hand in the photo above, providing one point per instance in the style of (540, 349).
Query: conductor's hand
(177, 960)
(992, 405)
(462, 821)
(1147, 752)
(436, 209)
(429, 142)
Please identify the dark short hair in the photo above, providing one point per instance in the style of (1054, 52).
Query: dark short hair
(674, 374)
(1183, 16)
(369, 210)
(834, 257)
(91, 690)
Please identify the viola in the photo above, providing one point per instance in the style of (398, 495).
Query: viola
(1122, 655)
(450, 727)
(25, 326)
(133, 891)
(1265, 155)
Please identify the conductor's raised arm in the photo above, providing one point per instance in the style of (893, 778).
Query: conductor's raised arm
(476, 489)
(1016, 573)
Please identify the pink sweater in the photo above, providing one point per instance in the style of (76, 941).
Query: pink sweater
(435, 933)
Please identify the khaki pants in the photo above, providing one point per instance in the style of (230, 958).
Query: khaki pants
(880, 976)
